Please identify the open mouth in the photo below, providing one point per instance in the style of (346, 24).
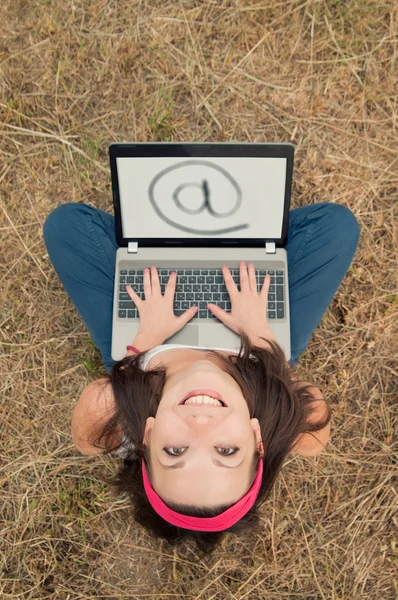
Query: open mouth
(209, 393)
(220, 404)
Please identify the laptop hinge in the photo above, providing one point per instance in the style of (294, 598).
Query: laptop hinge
(270, 248)
(132, 248)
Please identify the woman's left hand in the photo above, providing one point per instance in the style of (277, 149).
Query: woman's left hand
(157, 319)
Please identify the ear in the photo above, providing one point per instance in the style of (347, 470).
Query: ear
(257, 432)
(148, 427)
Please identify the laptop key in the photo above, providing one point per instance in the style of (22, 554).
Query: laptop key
(190, 296)
(271, 289)
(208, 297)
(201, 279)
(212, 272)
(271, 297)
(122, 314)
(271, 314)
(187, 288)
(130, 279)
(179, 312)
(192, 279)
(126, 304)
(216, 297)
(198, 296)
(221, 305)
(202, 314)
(271, 306)
(214, 288)
(131, 314)
(279, 292)
(124, 296)
(205, 287)
(196, 272)
(209, 279)
(188, 271)
(279, 280)
(279, 272)
(197, 288)
(123, 272)
(280, 313)
(181, 296)
(122, 279)
(204, 272)
(179, 287)
(202, 305)
(183, 279)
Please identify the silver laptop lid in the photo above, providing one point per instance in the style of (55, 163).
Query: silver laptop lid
(201, 194)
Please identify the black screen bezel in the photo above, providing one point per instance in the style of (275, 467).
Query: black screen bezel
(200, 150)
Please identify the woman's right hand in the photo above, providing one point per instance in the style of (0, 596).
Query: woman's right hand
(248, 307)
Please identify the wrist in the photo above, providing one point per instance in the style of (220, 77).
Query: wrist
(262, 339)
(142, 343)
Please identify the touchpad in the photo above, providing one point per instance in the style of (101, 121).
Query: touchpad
(188, 335)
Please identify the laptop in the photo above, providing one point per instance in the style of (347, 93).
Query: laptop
(190, 208)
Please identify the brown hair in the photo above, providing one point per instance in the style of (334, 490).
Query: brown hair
(273, 397)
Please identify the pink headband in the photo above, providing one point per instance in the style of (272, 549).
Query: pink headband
(223, 521)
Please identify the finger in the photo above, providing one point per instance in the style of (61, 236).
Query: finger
(155, 281)
(229, 281)
(136, 299)
(265, 287)
(187, 315)
(252, 278)
(218, 312)
(147, 284)
(244, 279)
(171, 285)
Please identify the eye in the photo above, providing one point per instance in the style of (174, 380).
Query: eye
(167, 450)
(234, 451)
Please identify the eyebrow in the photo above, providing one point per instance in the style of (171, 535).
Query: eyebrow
(218, 463)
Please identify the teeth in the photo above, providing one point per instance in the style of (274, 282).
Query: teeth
(202, 400)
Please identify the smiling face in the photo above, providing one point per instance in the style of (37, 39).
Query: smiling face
(201, 438)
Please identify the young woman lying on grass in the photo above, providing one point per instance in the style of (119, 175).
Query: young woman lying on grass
(201, 458)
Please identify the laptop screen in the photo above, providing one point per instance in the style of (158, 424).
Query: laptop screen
(231, 197)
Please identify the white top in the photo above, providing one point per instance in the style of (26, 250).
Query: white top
(151, 353)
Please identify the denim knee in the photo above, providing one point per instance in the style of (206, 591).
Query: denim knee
(58, 219)
(345, 224)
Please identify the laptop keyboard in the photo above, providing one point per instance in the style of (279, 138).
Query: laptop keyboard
(199, 287)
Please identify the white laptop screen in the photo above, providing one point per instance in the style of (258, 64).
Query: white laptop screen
(201, 197)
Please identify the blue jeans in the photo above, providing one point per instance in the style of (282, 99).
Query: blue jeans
(81, 244)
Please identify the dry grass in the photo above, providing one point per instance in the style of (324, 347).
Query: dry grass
(78, 75)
